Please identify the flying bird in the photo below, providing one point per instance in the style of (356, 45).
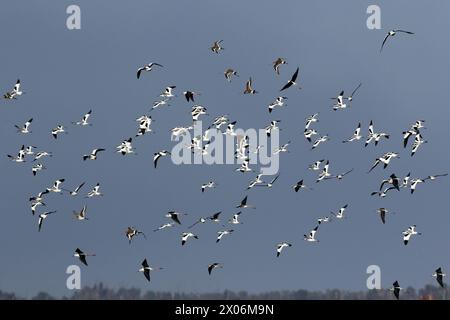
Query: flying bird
(145, 269)
(213, 266)
(248, 87)
(175, 216)
(408, 233)
(244, 204)
(396, 289)
(132, 232)
(81, 215)
(229, 73)
(392, 33)
(158, 155)
(42, 217)
(216, 47)
(439, 275)
(84, 120)
(292, 81)
(148, 67)
(311, 237)
(281, 246)
(186, 235)
(25, 128)
(93, 155)
(95, 192)
(223, 233)
(82, 256)
(277, 64)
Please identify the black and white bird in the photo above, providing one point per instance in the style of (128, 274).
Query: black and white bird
(434, 177)
(415, 183)
(213, 266)
(35, 204)
(291, 82)
(382, 212)
(81, 215)
(405, 181)
(383, 193)
(95, 192)
(392, 180)
(319, 141)
(396, 289)
(244, 166)
(323, 220)
(39, 196)
(229, 73)
(25, 129)
(339, 176)
(175, 216)
(311, 119)
(272, 127)
(131, 232)
(36, 168)
(145, 122)
(148, 67)
(375, 136)
(282, 148)
(235, 218)
(29, 150)
(279, 102)
(84, 120)
(15, 92)
(186, 235)
(42, 217)
(439, 275)
(217, 47)
(223, 233)
(244, 204)
(20, 156)
(316, 165)
(189, 95)
(164, 226)
(158, 155)
(159, 103)
(268, 184)
(146, 269)
(418, 141)
(300, 185)
(82, 256)
(256, 181)
(408, 233)
(340, 213)
(42, 154)
(74, 192)
(125, 147)
(392, 33)
(311, 237)
(56, 131)
(56, 186)
(210, 184)
(277, 64)
(325, 173)
(248, 87)
(281, 246)
(356, 135)
(168, 92)
(350, 97)
(93, 154)
(197, 111)
(385, 159)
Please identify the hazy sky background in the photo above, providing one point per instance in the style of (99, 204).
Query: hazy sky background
(65, 73)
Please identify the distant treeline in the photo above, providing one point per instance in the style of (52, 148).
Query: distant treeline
(101, 292)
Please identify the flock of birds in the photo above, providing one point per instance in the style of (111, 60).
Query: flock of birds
(200, 144)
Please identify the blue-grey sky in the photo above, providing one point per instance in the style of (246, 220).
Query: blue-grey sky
(65, 73)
